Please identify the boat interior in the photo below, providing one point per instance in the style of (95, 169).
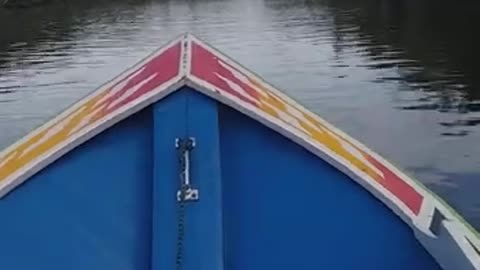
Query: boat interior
(264, 202)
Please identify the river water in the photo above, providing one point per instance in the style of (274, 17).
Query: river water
(399, 76)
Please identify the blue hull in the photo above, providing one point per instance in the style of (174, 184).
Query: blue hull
(265, 202)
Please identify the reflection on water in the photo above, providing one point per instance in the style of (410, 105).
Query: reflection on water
(398, 75)
(434, 51)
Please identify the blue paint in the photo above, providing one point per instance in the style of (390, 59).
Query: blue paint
(265, 202)
(90, 209)
(204, 222)
(169, 123)
(187, 114)
(286, 209)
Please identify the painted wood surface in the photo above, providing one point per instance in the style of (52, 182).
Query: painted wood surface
(153, 74)
(89, 210)
(287, 209)
(189, 61)
(226, 78)
(263, 202)
(187, 113)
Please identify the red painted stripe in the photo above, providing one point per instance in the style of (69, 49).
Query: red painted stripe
(206, 66)
(398, 187)
(158, 71)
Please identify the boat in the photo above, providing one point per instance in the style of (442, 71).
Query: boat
(187, 160)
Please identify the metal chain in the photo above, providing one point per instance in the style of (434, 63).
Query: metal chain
(180, 232)
(181, 207)
(182, 146)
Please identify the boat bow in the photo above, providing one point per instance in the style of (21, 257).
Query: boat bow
(191, 62)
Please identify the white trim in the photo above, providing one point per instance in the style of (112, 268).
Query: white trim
(302, 139)
(41, 161)
(425, 217)
(79, 138)
(420, 221)
(184, 56)
(283, 125)
(88, 97)
(459, 237)
(188, 54)
(453, 223)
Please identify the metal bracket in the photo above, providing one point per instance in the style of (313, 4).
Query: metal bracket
(186, 191)
(190, 194)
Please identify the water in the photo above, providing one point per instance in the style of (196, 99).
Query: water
(398, 75)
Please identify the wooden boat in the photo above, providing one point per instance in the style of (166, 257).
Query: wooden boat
(189, 161)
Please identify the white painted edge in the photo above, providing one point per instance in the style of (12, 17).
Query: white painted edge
(467, 249)
(187, 55)
(425, 217)
(89, 96)
(420, 221)
(73, 141)
(303, 140)
(84, 135)
(285, 127)
(184, 77)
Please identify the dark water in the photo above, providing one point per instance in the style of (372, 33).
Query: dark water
(399, 75)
